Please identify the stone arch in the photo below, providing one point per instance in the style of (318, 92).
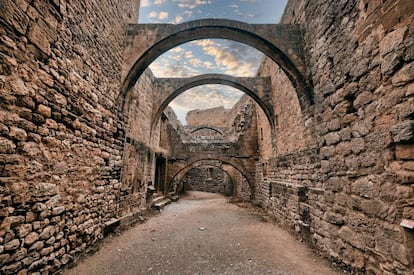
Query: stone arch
(257, 88)
(282, 43)
(214, 129)
(225, 160)
(201, 164)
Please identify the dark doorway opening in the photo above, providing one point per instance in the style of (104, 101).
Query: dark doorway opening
(160, 174)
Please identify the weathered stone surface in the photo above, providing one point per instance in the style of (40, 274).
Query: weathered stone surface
(337, 162)
(12, 245)
(403, 76)
(31, 238)
(404, 152)
(363, 187)
(18, 134)
(24, 230)
(392, 41)
(332, 138)
(403, 132)
(44, 110)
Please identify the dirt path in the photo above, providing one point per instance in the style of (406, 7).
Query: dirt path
(203, 234)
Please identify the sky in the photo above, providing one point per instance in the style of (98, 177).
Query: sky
(209, 55)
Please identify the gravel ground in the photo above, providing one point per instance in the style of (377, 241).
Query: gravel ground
(203, 234)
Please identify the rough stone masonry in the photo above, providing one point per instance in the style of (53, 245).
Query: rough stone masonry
(326, 146)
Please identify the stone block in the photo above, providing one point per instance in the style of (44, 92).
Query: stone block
(332, 138)
(18, 134)
(405, 177)
(12, 269)
(24, 230)
(403, 132)
(404, 75)
(31, 238)
(361, 129)
(7, 146)
(351, 237)
(357, 145)
(404, 152)
(390, 63)
(12, 245)
(343, 148)
(45, 111)
(392, 41)
(334, 218)
(363, 99)
(39, 207)
(37, 246)
(58, 210)
(41, 35)
(363, 187)
(12, 221)
(327, 152)
(14, 16)
(47, 232)
(374, 208)
(46, 251)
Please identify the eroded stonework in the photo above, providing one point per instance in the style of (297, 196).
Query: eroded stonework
(79, 154)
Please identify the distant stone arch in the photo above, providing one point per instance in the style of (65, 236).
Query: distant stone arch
(202, 164)
(258, 88)
(282, 43)
(191, 163)
(214, 129)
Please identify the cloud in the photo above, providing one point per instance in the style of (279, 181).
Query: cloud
(205, 97)
(145, 3)
(208, 56)
(186, 4)
(178, 19)
(188, 54)
(163, 15)
(177, 50)
(159, 2)
(153, 14)
(208, 65)
(204, 42)
(236, 58)
(196, 62)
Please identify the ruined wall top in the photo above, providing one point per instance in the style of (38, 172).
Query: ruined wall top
(214, 117)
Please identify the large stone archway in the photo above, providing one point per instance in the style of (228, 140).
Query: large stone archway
(166, 89)
(282, 43)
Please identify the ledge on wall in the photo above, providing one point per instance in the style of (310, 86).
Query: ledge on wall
(409, 224)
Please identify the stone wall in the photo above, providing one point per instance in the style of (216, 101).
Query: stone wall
(352, 188)
(61, 140)
(217, 117)
(293, 129)
(207, 179)
(139, 148)
(237, 147)
(265, 137)
(338, 173)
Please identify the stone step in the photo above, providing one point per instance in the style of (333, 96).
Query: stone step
(174, 198)
(157, 198)
(161, 204)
